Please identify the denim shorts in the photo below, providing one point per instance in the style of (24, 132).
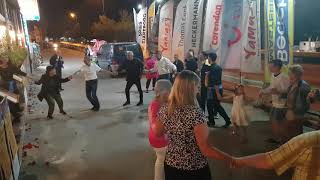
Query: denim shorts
(278, 114)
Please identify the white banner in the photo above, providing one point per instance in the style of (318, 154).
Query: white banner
(141, 30)
(212, 28)
(178, 42)
(165, 29)
(136, 24)
(232, 34)
(250, 53)
(194, 24)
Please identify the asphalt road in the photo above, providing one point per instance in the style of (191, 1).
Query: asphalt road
(112, 144)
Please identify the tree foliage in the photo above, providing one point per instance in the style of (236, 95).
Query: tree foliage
(111, 30)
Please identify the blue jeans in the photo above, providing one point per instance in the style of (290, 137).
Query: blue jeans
(91, 92)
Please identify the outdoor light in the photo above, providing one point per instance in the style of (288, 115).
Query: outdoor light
(140, 6)
(55, 45)
(72, 15)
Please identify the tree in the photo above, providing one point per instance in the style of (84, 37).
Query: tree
(111, 30)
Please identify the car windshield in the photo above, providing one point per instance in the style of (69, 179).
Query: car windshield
(119, 51)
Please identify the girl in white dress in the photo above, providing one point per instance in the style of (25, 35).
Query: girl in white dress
(239, 115)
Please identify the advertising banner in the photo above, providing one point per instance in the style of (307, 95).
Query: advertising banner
(151, 15)
(178, 42)
(213, 26)
(141, 30)
(194, 25)
(279, 37)
(232, 34)
(251, 60)
(165, 29)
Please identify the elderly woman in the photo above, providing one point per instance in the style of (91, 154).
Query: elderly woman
(159, 144)
(186, 127)
(301, 153)
(298, 102)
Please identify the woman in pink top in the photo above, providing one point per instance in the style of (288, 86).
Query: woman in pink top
(159, 144)
(152, 73)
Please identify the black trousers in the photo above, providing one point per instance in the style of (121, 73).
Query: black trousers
(91, 92)
(172, 173)
(129, 85)
(215, 104)
(165, 76)
(154, 80)
(51, 99)
(204, 102)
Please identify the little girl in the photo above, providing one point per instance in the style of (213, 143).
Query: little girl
(159, 144)
(239, 115)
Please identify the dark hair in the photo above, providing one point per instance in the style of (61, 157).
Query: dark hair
(212, 56)
(277, 63)
(205, 54)
(48, 69)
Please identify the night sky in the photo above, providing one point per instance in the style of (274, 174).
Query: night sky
(55, 14)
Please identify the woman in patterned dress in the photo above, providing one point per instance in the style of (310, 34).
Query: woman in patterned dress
(186, 127)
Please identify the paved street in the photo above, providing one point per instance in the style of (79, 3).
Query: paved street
(112, 144)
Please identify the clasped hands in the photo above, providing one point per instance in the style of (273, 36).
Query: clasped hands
(234, 162)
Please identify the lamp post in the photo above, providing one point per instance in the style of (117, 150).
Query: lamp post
(73, 15)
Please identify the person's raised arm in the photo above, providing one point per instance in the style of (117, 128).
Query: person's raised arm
(202, 133)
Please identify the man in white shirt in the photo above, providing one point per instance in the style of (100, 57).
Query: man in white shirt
(279, 86)
(165, 67)
(89, 71)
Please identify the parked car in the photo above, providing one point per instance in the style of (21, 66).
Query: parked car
(111, 56)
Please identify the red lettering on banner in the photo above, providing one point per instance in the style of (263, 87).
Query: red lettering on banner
(238, 37)
(216, 29)
(252, 41)
(167, 29)
(249, 53)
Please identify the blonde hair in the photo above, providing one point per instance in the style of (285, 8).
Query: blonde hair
(162, 87)
(183, 90)
(296, 70)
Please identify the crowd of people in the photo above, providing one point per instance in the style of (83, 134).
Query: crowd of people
(179, 127)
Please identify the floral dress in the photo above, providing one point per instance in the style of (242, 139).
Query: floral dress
(183, 152)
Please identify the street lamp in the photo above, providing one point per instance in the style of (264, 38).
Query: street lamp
(140, 6)
(73, 15)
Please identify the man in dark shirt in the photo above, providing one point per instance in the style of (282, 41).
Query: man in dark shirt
(206, 67)
(215, 91)
(57, 62)
(178, 63)
(134, 68)
(191, 62)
